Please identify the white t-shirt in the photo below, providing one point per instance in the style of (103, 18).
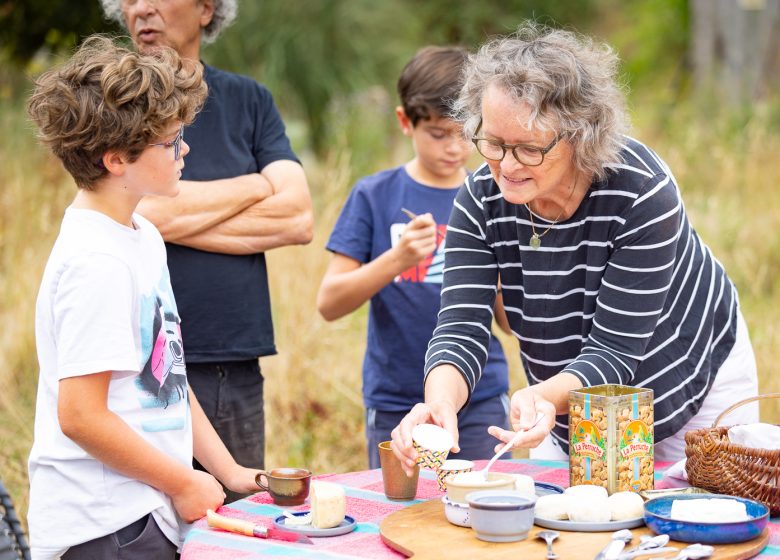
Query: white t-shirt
(105, 304)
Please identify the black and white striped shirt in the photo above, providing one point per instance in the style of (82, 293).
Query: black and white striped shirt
(624, 291)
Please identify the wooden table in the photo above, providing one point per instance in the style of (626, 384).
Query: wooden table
(366, 502)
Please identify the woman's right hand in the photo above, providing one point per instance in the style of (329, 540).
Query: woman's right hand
(440, 413)
(199, 491)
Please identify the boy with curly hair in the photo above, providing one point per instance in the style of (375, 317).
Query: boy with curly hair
(116, 424)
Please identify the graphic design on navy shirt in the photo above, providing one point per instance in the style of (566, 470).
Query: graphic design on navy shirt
(431, 268)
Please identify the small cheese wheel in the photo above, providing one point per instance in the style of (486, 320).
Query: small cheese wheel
(587, 491)
(626, 505)
(592, 510)
(553, 506)
(328, 504)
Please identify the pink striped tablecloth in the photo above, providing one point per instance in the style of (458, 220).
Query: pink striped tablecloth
(366, 503)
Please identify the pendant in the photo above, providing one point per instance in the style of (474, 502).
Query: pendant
(535, 242)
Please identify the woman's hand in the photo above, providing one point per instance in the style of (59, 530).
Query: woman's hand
(526, 403)
(440, 413)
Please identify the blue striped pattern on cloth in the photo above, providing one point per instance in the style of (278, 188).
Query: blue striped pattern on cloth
(624, 291)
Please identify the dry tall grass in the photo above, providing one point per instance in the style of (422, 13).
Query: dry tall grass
(314, 407)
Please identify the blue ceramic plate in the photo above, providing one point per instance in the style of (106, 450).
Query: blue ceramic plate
(543, 488)
(659, 521)
(345, 526)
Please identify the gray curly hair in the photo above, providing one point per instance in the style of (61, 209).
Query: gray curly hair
(569, 81)
(224, 14)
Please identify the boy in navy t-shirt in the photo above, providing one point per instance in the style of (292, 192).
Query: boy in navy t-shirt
(383, 254)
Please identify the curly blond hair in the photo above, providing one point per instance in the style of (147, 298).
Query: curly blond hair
(569, 81)
(107, 97)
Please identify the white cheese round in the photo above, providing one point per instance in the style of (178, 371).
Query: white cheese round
(328, 504)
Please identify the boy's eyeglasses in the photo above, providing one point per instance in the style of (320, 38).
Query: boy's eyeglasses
(175, 144)
(530, 156)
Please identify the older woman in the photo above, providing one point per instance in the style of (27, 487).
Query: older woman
(604, 280)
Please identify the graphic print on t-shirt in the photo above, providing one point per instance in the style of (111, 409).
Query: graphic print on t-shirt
(431, 268)
(163, 378)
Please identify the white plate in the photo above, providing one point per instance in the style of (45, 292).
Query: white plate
(344, 527)
(585, 526)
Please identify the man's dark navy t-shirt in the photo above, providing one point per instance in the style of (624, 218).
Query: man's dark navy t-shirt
(223, 299)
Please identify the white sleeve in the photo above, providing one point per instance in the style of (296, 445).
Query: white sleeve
(93, 309)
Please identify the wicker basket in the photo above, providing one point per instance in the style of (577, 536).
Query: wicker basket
(716, 464)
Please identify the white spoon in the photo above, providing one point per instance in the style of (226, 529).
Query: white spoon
(510, 443)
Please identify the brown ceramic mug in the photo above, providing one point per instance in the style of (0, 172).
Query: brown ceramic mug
(287, 486)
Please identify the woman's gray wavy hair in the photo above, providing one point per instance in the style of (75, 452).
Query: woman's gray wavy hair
(569, 81)
(224, 14)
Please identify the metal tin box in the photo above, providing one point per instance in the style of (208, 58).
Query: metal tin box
(611, 437)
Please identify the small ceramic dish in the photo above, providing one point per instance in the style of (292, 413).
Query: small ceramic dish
(456, 513)
(346, 526)
(658, 519)
(501, 515)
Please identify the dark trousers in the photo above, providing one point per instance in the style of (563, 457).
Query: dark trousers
(473, 421)
(231, 394)
(140, 539)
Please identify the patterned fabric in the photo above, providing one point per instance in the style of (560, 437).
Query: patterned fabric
(366, 502)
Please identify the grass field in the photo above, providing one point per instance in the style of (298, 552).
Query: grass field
(727, 169)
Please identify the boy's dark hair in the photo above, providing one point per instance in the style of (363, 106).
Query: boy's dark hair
(430, 81)
(107, 97)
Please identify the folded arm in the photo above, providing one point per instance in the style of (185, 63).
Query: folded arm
(201, 205)
(283, 218)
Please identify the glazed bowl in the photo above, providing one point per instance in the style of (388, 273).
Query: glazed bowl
(459, 486)
(456, 513)
(501, 515)
(658, 519)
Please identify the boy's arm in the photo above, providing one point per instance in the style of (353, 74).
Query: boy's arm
(347, 284)
(211, 452)
(84, 417)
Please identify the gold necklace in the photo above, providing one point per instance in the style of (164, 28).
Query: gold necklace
(536, 238)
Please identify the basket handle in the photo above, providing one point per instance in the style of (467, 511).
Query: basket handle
(740, 403)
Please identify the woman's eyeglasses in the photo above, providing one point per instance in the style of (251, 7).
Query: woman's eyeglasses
(523, 153)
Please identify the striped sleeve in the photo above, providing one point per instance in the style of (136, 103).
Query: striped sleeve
(468, 292)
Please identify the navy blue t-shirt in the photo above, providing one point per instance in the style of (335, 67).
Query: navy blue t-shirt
(223, 300)
(403, 314)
